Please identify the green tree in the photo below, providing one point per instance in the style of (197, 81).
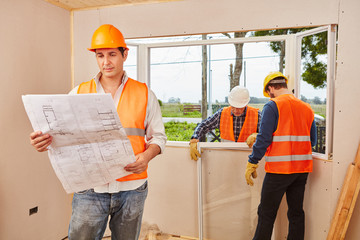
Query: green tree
(313, 47)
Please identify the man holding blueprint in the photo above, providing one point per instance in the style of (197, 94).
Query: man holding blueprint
(140, 115)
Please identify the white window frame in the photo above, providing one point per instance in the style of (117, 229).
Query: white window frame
(330, 80)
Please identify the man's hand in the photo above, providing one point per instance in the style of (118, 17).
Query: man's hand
(250, 172)
(40, 141)
(194, 153)
(251, 139)
(142, 159)
(140, 165)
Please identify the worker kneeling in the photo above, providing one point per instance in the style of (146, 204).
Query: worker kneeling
(236, 122)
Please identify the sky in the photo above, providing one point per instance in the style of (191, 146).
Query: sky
(176, 71)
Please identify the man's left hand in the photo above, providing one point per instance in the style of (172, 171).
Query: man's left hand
(251, 139)
(140, 165)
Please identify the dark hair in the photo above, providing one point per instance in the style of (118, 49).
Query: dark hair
(276, 85)
(122, 50)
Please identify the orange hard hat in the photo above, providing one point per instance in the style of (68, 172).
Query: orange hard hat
(107, 36)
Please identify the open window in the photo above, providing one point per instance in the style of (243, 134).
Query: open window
(174, 68)
(314, 80)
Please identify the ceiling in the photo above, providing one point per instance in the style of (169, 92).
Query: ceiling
(91, 4)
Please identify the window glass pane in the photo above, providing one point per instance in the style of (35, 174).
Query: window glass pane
(313, 81)
(130, 64)
(175, 78)
(176, 75)
(257, 61)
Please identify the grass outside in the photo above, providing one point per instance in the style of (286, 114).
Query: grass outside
(176, 110)
(182, 131)
(179, 131)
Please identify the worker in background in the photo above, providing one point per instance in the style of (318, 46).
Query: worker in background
(140, 114)
(236, 122)
(287, 134)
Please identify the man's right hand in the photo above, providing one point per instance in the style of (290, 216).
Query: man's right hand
(194, 153)
(40, 141)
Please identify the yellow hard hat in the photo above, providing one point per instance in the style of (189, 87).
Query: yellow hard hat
(270, 77)
(107, 36)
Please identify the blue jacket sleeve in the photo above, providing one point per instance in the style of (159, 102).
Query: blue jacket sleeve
(313, 134)
(212, 122)
(268, 125)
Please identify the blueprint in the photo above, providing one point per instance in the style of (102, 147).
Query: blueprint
(90, 147)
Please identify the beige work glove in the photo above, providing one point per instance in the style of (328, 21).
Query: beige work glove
(251, 140)
(250, 172)
(194, 153)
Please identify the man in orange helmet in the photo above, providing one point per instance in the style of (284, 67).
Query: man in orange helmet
(287, 134)
(140, 115)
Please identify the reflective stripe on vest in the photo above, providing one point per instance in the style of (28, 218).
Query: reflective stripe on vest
(227, 128)
(132, 112)
(291, 138)
(135, 132)
(288, 158)
(290, 150)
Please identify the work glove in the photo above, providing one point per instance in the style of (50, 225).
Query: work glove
(251, 140)
(250, 172)
(194, 153)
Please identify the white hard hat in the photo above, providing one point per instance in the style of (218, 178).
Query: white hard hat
(239, 97)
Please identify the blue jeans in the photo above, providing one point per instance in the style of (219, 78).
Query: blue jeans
(91, 210)
(273, 189)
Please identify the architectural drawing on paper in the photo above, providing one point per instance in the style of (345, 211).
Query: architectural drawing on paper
(53, 122)
(108, 120)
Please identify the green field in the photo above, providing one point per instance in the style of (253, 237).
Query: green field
(176, 110)
(179, 131)
(182, 131)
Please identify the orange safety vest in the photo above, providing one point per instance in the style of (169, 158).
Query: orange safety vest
(290, 150)
(249, 126)
(132, 112)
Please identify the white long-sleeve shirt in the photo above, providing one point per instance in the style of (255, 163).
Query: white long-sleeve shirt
(154, 132)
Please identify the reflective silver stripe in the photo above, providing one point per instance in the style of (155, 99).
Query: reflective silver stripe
(288, 158)
(225, 140)
(291, 138)
(135, 132)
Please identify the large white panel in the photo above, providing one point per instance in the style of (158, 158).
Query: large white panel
(229, 204)
(172, 199)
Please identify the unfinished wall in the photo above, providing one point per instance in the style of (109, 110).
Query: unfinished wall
(35, 58)
(347, 114)
(208, 16)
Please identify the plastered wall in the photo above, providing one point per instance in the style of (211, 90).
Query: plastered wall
(346, 112)
(35, 59)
